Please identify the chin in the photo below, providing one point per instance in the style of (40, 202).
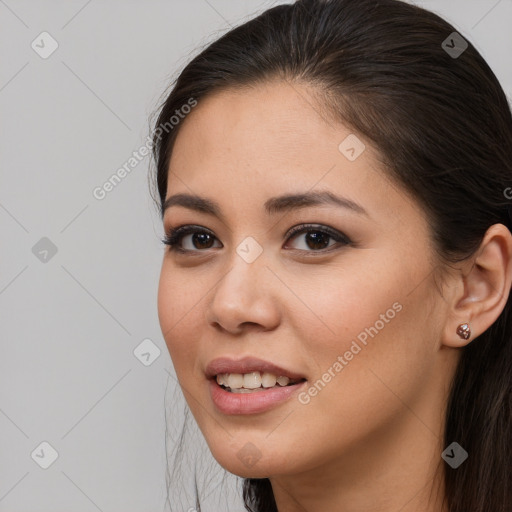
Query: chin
(244, 472)
(249, 462)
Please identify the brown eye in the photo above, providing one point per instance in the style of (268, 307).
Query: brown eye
(317, 238)
(200, 240)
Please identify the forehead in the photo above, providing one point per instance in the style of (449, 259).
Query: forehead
(275, 116)
(273, 129)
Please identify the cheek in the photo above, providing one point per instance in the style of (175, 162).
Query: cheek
(179, 310)
(366, 324)
(344, 306)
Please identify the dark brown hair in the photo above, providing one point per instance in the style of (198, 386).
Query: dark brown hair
(443, 128)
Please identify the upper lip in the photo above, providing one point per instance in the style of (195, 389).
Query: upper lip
(247, 364)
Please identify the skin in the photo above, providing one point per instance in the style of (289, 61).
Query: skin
(371, 439)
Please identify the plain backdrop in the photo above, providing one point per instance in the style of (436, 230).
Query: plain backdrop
(85, 376)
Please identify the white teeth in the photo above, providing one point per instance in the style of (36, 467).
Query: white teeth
(268, 380)
(283, 381)
(252, 380)
(239, 383)
(234, 380)
(222, 379)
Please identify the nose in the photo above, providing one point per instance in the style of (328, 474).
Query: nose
(246, 297)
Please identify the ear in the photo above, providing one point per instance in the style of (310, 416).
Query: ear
(483, 286)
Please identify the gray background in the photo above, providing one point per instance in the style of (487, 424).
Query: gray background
(70, 321)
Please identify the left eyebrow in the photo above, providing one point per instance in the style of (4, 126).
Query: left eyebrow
(289, 202)
(274, 205)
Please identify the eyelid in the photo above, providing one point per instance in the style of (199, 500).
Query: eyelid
(175, 235)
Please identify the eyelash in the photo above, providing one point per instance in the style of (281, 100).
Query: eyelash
(174, 236)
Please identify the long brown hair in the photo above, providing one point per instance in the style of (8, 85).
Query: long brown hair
(443, 126)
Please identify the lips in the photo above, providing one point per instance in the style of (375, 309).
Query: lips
(252, 401)
(247, 365)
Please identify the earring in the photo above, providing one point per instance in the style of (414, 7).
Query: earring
(464, 331)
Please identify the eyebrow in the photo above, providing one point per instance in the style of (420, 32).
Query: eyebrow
(274, 205)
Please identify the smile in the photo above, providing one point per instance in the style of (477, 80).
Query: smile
(250, 385)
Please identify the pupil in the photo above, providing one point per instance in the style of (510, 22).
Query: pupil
(316, 237)
(201, 238)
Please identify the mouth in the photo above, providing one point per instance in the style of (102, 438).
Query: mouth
(250, 385)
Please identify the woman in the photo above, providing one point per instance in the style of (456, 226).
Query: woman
(335, 294)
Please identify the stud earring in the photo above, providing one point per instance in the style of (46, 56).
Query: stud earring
(464, 331)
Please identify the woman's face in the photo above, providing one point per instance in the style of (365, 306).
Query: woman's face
(349, 306)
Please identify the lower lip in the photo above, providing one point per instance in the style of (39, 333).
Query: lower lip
(251, 403)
